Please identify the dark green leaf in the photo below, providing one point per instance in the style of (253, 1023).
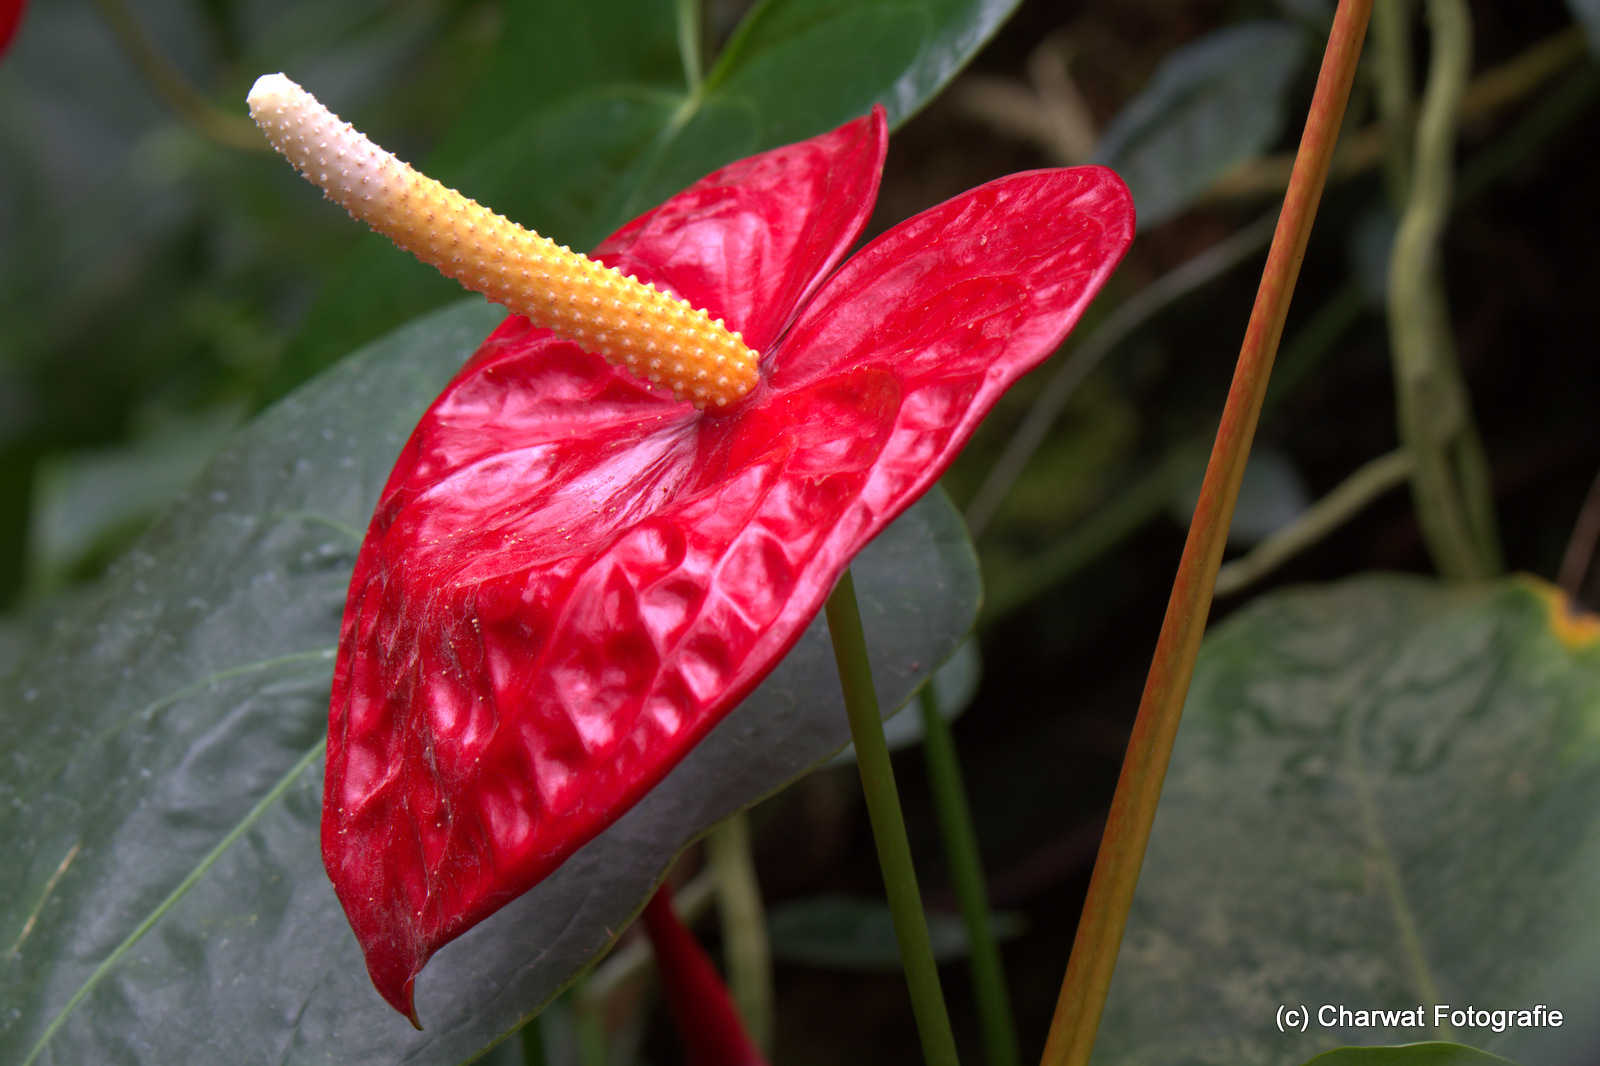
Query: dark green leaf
(1385, 796)
(1429, 1054)
(1211, 105)
(160, 795)
(848, 933)
(583, 120)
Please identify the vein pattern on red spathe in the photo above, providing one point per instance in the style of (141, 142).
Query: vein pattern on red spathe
(571, 578)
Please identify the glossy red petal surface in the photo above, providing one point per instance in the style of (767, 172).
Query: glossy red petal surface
(748, 243)
(569, 579)
(953, 306)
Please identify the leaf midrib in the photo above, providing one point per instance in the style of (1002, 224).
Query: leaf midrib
(262, 806)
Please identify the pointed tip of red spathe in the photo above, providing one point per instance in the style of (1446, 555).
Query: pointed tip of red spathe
(398, 989)
(10, 19)
(707, 1021)
(409, 998)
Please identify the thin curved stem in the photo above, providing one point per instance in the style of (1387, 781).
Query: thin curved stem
(1491, 91)
(888, 825)
(1450, 482)
(531, 1039)
(1097, 534)
(1352, 495)
(689, 45)
(586, 1024)
(966, 876)
(746, 953)
(1391, 51)
(1133, 807)
(186, 101)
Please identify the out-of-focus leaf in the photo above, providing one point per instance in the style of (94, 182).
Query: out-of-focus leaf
(160, 794)
(144, 269)
(1370, 242)
(84, 499)
(583, 120)
(849, 933)
(1385, 795)
(1271, 496)
(1432, 1053)
(1586, 13)
(1318, 13)
(954, 685)
(1211, 105)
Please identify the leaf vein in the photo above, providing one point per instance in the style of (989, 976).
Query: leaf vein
(182, 889)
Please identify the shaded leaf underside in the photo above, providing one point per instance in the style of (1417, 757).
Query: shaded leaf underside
(161, 792)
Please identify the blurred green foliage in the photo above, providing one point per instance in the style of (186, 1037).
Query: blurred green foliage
(149, 276)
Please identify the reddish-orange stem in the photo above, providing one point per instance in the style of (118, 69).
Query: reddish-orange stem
(1133, 808)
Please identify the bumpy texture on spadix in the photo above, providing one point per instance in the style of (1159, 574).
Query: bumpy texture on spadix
(655, 335)
(570, 578)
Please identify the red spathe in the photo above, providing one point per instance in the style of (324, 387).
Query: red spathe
(571, 578)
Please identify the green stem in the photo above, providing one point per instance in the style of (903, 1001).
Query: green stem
(966, 874)
(888, 825)
(1450, 482)
(744, 926)
(532, 1039)
(1133, 807)
(689, 51)
(586, 1025)
(186, 101)
(1352, 495)
(1307, 348)
(1016, 586)
(1391, 51)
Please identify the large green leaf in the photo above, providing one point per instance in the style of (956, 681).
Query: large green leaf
(583, 119)
(1432, 1053)
(160, 794)
(1385, 796)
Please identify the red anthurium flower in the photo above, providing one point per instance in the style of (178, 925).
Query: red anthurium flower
(708, 1024)
(572, 576)
(10, 19)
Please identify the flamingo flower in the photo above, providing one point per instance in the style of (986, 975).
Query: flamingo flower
(629, 503)
(10, 19)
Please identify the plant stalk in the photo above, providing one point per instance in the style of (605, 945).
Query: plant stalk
(1344, 502)
(888, 825)
(1391, 52)
(532, 1040)
(1133, 807)
(690, 35)
(745, 951)
(1450, 479)
(169, 83)
(966, 875)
